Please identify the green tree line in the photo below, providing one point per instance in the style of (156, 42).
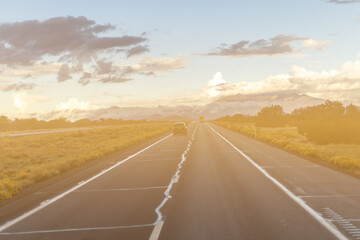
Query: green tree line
(7, 124)
(330, 122)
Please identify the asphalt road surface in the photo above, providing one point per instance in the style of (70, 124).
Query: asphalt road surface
(211, 184)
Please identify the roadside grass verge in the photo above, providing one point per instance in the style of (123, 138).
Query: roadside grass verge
(27, 160)
(343, 156)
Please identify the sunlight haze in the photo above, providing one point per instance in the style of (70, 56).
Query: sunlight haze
(188, 53)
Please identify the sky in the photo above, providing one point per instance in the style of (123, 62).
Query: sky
(88, 55)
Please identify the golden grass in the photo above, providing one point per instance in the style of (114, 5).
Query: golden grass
(343, 156)
(29, 159)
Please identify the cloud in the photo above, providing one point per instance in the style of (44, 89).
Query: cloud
(103, 67)
(216, 80)
(342, 84)
(72, 104)
(136, 51)
(22, 101)
(85, 78)
(280, 44)
(24, 43)
(343, 1)
(18, 87)
(211, 89)
(151, 64)
(38, 70)
(314, 44)
(64, 73)
(74, 46)
(147, 66)
(114, 79)
(107, 72)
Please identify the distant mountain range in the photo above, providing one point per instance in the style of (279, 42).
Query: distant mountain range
(228, 105)
(266, 97)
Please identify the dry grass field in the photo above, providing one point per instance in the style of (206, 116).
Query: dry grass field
(343, 156)
(29, 159)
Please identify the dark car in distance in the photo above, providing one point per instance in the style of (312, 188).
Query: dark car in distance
(179, 128)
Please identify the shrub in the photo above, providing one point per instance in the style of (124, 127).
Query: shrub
(30, 159)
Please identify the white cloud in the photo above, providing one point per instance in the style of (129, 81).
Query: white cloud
(151, 64)
(72, 104)
(278, 45)
(38, 70)
(342, 84)
(216, 80)
(211, 89)
(22, 101)
(314, 44)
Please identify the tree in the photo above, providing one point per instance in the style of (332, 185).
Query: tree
(4, 123)
(272, 116)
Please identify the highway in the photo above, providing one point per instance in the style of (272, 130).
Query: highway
(211, 184)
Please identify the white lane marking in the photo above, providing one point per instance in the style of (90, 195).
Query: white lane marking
(176, 180)
(298, 200)
(122, 189)
(167, 192)
(159, 221)
(156, 232)
(77, 229)
(109, 190)
(50, 201)
(343, 223)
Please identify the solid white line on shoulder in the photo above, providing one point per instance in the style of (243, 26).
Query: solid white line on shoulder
(298, 200)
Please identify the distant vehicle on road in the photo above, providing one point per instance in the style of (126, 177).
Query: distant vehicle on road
(201, 119)
(179, 128)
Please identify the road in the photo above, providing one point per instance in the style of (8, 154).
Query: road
(211, 184)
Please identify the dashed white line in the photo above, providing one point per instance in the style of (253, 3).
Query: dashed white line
(298, 200)
(167, 191)
(110, 190)
(121, 189)
(176, 179)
